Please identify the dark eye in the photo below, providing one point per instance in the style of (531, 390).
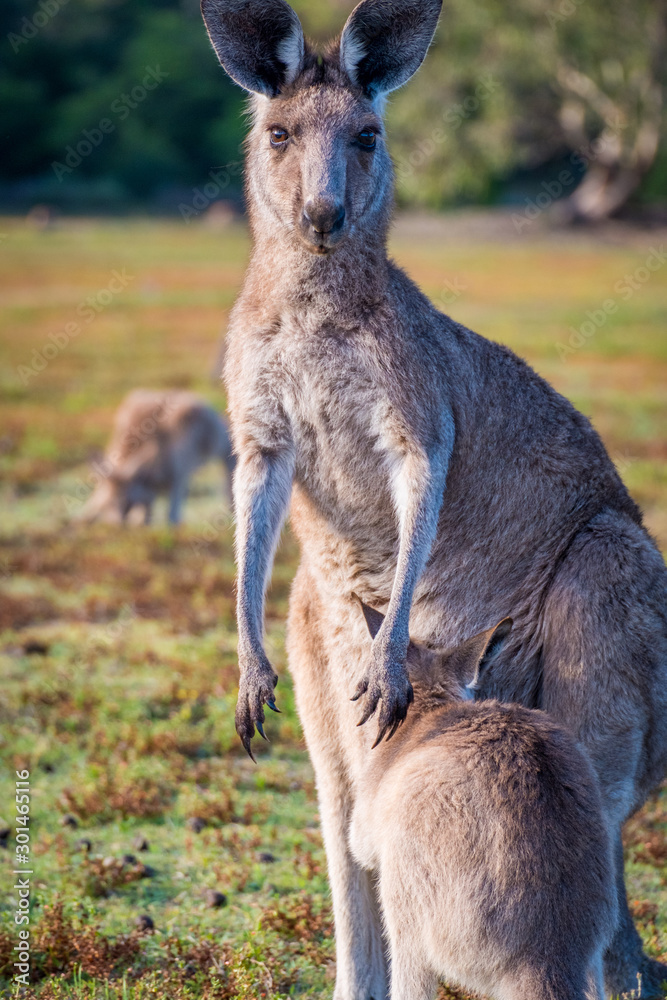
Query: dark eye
(278, 136)
(367, 138)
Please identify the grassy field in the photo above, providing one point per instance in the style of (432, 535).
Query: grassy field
(117, 647)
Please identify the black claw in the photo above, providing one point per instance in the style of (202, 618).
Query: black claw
(393, 729)
(246, 745)
(370, 710)
(378, 738)
(260, 730)
(272, 706)
(362, 688)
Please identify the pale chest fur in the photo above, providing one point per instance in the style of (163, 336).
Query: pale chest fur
(321, 388)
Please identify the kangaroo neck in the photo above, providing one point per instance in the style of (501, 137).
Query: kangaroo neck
(344, 282)
(350, 278)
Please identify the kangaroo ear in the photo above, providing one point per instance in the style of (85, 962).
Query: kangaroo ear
(484, 647)
(384, 42)
(259, 42)
(373, 618)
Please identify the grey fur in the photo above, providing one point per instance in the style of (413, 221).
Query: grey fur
(159, 440)
(259, 42)
(436, 475)
(483, 826)
(384, 43)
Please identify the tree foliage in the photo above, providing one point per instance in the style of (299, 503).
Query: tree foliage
(523, 85)
(88, 64)
(506, 88)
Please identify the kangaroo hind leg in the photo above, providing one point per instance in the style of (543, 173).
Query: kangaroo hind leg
(545, 984)
(411, 977)
(595, 988)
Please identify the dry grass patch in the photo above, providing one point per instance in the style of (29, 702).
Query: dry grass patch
(60, 946)
(645, 835)
(100, 878)
(142, 797)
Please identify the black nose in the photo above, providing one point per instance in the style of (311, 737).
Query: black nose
(324, 216)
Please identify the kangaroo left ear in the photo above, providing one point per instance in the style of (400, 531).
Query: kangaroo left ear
(385, 41)
(373, 618)
(485, 646)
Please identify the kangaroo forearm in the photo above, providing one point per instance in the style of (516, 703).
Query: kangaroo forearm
(262, 489)
(418, 483)
(418, 488)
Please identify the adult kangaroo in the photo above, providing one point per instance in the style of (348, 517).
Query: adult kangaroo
(160, 438)
(430, 471)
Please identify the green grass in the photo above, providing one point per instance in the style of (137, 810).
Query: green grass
(117, 647)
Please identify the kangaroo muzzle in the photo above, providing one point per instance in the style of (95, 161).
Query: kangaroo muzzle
(322, 223)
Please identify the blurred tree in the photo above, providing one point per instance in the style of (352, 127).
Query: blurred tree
(611, 79)
(580, 83)
(575, 87)
(84, 61)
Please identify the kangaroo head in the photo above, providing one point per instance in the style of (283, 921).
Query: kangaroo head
(454, 673)
(318, 165)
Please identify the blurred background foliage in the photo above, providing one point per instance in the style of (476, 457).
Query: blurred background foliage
(552, 98)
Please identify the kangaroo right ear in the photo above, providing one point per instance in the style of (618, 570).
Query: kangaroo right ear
(259, 42)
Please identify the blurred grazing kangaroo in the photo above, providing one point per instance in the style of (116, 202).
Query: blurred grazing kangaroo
(159, 440)
(483, 825)
(430, 471)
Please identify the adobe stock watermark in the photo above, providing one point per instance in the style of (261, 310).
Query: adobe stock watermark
(211, 530)
(22, 870)
(624, 288)
(92, 138)
(567, 179)
(203, 196)
(623, 462)
(104, 637)
(452, 290)
(564, 10)
(88, 309)
(31, 26)
(114, 460)
(100, 638)
(453, 117)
